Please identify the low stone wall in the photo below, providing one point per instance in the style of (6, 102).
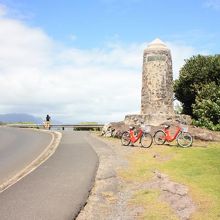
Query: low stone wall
(197, 133)
(156, 119)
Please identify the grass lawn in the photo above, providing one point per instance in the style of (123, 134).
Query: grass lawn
(196, 167)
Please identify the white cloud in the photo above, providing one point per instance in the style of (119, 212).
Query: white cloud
(72, 85)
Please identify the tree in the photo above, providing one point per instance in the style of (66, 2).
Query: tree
(207, 107)
(196, 72)
(198, 90)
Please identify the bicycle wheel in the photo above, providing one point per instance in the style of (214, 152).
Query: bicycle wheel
(146, 140)
(159, 137)
(184, 139)
(125, 138)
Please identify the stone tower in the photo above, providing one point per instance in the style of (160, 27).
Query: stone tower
(157, 91)
(157, 80)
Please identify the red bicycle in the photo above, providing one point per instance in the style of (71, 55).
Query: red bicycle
(132, 136)
(183, 138)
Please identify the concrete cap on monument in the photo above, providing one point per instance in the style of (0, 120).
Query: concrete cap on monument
(157, 44)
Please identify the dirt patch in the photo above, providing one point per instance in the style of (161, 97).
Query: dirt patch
(110, 198)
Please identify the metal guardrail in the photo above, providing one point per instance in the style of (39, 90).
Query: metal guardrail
(60, 126)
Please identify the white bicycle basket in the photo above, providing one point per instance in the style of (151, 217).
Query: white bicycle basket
(146, 128)
(184, 128)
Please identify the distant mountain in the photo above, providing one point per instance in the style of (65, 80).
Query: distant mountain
(16, 117)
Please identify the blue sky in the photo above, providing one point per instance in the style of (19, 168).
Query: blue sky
(78, 51)
(89, 24)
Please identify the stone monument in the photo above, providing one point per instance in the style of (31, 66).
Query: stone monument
(157, 90)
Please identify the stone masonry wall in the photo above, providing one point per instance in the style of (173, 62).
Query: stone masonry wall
(157, 80)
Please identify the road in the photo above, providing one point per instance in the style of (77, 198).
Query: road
(57, 189)
(18, 148)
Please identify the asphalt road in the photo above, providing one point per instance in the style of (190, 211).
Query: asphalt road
(18, 148)
(58, 188)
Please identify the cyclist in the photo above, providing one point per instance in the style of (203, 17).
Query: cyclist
(47, 124)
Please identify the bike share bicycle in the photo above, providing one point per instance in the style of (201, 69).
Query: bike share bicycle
(142, 134)
(182, 136)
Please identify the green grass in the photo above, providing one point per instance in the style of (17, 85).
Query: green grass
(153, 207)
(196, 167)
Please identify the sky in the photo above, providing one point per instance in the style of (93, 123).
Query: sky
(82, 60)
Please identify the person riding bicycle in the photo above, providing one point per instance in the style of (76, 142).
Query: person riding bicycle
(47, 123)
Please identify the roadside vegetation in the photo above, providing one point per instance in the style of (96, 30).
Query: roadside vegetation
(198, 168)
(24, 123)
(87, 129)
(88, 123)
(198, 89)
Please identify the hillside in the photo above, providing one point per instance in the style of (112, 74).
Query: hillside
(17, 117)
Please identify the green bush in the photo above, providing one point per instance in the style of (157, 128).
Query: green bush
(206, 109)
(196, 72)
(198, 90)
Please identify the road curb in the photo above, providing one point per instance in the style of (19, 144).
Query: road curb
(105, 184)
(46, 154)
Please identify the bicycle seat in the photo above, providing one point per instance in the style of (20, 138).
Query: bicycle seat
(166, 126)
(131, 127)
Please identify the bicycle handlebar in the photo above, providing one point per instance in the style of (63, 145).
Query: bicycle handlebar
(181, 122)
